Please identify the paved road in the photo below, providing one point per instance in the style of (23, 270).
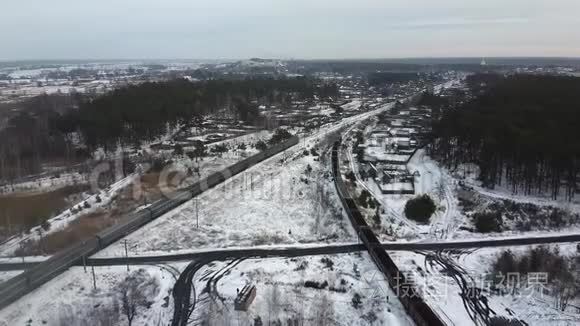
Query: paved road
(223, 254)
(4, 267)
(481, 243)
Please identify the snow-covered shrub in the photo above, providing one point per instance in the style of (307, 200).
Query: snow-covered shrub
(45, 225)
(136, 292)
(486, 222)
(356, 301)
(261, 145)
(364, 198)
(279, 136)
(420, 208)
(328, 263)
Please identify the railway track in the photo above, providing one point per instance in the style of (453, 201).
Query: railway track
(43, 272)
(415, 306)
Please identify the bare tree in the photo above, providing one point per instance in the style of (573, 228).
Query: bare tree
(87, 314)
(325, 311)
(565, 289)
(134, 292)
(274, 304)
(215, 314)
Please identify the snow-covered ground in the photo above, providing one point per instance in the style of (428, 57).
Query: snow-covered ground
(270, 204)
(288, 199)
(355, 293)
(71, 299)
(282, 295)
(432, 180)
(352, 105)
(7, 275)
(44, 184)
(469, 173)
(90, 202)
(443, 292)
(438, 290)
(431, 273)
(105, 197)
(450, 221)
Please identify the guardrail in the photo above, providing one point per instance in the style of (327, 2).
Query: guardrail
(41, 273)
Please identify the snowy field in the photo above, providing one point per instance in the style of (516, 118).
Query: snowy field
(452, 221)
(274, 202)
(284, 293)
(44, 184)
(105, 197)
(72, 299)
(287, 199)
(444, 278)
(348, 290)
(352, 105)
(270, 204)
(430, 273)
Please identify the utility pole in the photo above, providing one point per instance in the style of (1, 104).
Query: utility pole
(94, 278)
(126, 254)
(197, 213)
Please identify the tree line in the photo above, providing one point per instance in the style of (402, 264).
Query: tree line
(522, 131)
(56, 126)
(142, 112)
(380, 78)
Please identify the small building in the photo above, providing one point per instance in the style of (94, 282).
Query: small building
(245, 298)
(403, 144)
(401, 188)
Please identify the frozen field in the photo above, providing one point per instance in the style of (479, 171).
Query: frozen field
(284, 294)
(270, 204)
(347, 291)
(71, 299)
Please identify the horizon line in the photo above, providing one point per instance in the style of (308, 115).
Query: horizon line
(289, 58)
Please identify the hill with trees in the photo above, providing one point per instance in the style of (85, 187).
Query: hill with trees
(521, 130)
(136, 113)
(53, 127)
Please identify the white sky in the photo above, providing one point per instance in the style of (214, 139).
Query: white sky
(194, 29)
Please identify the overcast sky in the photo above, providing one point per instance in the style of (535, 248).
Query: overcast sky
(206, 29)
